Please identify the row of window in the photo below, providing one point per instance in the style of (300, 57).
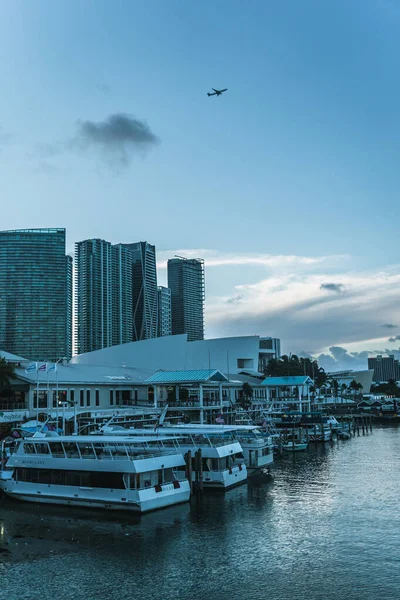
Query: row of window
(95, 479)
(117, 397)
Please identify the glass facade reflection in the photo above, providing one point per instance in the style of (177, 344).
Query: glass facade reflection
(35, 294)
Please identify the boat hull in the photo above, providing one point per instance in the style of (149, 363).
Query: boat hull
(146, 500)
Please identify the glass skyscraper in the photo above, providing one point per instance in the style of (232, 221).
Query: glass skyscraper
(35, 294)
(144, 290)
(186, 282)
(164, 311)
(103, 295)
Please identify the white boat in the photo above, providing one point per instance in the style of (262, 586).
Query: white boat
(257, 447)
(119, 473)
(295, 446)
(222, 464)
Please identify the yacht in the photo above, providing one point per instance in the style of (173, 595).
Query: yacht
(222, 466)
(256, 446)
(110, 472)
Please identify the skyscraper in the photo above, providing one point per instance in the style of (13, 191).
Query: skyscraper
(35, 294)
(103, 295)
(186, 281)
(144, 290)
(164, 311)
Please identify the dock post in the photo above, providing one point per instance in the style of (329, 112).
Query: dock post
(370, 423)
(293, 438)
(315, 433)
(363, 424)
(200, 459)
(188, 460)
(196, 470)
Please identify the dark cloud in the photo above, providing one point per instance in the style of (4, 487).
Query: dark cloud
(118, 137)
(394, 339)
(338, 288)
(340, 359)
(234, 299)
(389, 326)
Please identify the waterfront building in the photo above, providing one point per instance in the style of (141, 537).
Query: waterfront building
(269, 348)
(385, 368)
(35, 294)
(231, 355)
(186, 281)
(164, 311)
(144, 290)
(103, 295)
(364, 377)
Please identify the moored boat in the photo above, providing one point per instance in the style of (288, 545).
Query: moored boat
(131, 474)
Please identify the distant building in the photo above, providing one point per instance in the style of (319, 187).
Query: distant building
(269, 348)
(164, 312)
(385, 368)
(364, 377)
(186, 281)
(35, 294)
(103, 295)
(144, 290)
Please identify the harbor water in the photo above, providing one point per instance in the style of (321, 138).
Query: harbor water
(325, 525)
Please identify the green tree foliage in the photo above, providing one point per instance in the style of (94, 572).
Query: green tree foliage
(245, 398)
(6, 373)
(293, 365)
(389, 389)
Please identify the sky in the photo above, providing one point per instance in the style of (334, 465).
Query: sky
(287, 185)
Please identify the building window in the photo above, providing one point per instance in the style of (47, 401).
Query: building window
(97, 397)
(82, 397)
(111, 397)
(72, 395)
(87, 397)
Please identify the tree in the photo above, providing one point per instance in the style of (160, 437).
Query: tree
(6, 373)
(246, 395)
(356, 387)
(334, 384)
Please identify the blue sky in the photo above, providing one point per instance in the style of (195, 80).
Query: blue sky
(288, 181)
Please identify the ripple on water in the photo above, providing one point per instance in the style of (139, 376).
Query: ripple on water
(326, 526)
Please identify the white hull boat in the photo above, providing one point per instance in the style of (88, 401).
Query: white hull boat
(106, 472)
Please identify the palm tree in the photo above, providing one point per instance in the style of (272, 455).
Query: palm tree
(6, 373)
(246, 396)
(354, 386)
(334, 384)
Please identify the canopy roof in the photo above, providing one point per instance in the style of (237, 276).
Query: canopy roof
(287, 381)
(187, 376)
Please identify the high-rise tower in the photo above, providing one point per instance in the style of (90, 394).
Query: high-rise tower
(144, 290)
(186, 281)
(35, 294)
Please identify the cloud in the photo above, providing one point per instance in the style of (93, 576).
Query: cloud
(234, 299)
(394, 339)
(389, 326)
(213, 258)
(118, 137)
(332, 287)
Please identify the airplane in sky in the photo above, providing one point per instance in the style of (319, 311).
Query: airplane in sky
(217, 92)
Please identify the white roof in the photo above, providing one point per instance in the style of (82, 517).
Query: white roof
(112, 439)
(85, 374)
(12, 357)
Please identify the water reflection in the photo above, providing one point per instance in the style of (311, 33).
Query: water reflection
(325, 525)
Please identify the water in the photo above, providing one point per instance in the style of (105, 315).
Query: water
(325, 526)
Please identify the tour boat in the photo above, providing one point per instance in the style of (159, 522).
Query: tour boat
(132, 474)
(257, 447)
(295, 446)
(222, 464)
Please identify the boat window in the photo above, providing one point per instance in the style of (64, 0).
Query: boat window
(42, 448)
(29, 448)
(71, 450)
(148, 479)
(265, 451)
(168, 476)
(86, 450)
(57, 449)
(119, 451)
